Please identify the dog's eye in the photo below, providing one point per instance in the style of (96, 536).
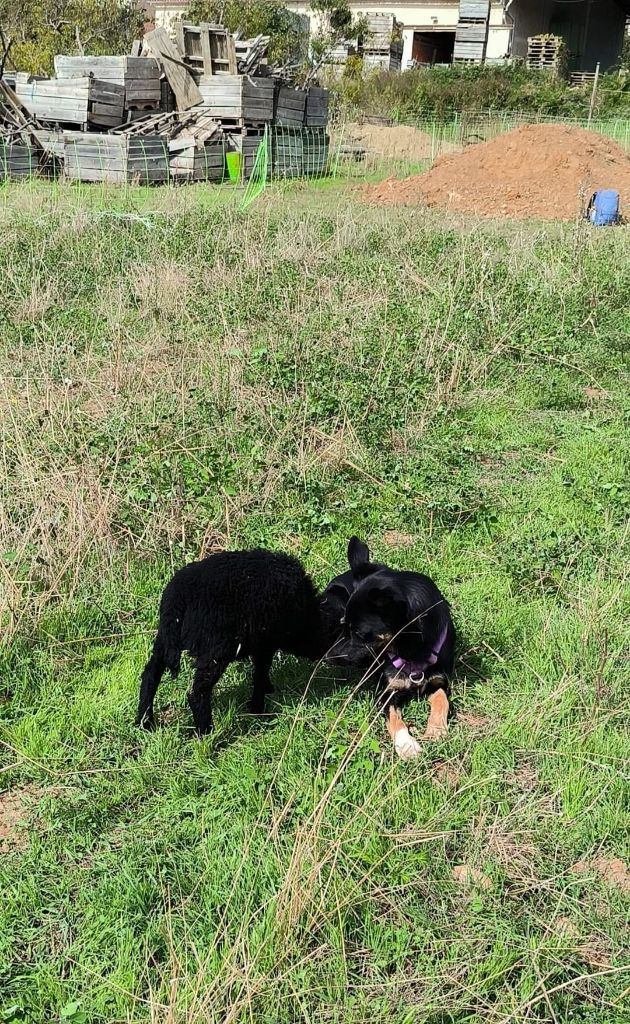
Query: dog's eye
(342, 620)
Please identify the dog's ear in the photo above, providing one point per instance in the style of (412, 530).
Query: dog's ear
(358, 554)
(387, 599)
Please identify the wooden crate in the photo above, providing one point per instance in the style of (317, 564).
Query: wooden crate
(117, 158)
(139, 76)
(316, 110)
(315, 152)
(82, 101)
(238, 98)
(18, 160)
(287, 153)
(289, 107)
(247, 143)
(190, 161)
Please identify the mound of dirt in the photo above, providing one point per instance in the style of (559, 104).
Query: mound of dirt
(540, 171)
(397, 141)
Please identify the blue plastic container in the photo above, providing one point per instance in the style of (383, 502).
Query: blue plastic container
(603, 208)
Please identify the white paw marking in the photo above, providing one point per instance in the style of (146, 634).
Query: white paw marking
(406, 747)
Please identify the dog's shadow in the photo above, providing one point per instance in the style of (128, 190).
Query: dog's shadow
(297, 683)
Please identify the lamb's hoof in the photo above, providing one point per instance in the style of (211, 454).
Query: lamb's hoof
(147, 723)
(406, 747)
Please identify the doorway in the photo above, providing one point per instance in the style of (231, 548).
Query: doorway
(433, 47)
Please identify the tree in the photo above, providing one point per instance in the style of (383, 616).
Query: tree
(39, 29)
(337, 23)
(253, 18)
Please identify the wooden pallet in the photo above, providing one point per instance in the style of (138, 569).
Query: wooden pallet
(79, 101)
(178, 74)
(384, 33)
(580, 78)
(390, 60)
(208, 49)
(547, 53)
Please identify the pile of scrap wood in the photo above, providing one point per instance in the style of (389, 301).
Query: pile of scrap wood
(21, 151)
(172, 109)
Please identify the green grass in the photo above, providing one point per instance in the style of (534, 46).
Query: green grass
(186, 378)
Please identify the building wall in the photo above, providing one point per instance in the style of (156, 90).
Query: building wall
(604, 35)
(168, 12)
(529, 19)
(593, 29)
(418, 16)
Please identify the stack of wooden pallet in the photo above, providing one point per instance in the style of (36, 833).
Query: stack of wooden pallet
(250, 53)
(471, 34)
(86, 102)
(172, 110)
(547, 53)
(139, 76)
(382, 47)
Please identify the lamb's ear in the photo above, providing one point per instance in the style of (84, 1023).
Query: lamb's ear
(338, 591)
(358, 554)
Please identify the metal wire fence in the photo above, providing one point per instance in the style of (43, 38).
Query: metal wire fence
(246, 162)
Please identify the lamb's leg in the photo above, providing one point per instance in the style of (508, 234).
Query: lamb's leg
(404, 744)
(207, 673)
(150, 680)
(261, 683)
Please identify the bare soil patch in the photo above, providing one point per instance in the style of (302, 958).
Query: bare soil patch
(13, 813)
(546, 172)
(397, 141)
(611, 869)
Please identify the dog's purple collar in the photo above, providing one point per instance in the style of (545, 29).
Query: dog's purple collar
(417, 669)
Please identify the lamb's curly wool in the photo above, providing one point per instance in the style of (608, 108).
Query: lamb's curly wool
(230, 606)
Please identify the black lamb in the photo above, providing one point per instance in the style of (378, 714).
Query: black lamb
(227, 607)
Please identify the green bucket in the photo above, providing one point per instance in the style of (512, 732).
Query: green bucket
(234, 164)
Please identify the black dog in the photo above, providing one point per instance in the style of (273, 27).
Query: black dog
(400, 623)
(230, 606)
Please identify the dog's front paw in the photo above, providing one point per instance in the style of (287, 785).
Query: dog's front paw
(405, 746)
(435, 730)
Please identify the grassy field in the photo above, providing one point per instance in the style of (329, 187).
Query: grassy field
(177, 377)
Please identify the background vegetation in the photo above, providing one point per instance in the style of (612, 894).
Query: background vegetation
(176, 378)
(443, 92)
